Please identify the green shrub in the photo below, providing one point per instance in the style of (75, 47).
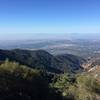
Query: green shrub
(84, 87)
(18, 82)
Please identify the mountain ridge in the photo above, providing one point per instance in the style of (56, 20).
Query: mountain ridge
(43, 60)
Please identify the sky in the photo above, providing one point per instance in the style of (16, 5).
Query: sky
(30, 18)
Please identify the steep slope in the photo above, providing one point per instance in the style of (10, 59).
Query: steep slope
(36, 59)
(91, 62)
(43, 60)
(73, 63)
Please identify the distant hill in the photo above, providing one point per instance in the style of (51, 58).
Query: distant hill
(41, 59)
(71, 62)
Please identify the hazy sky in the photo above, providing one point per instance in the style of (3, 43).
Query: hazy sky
(23, 18)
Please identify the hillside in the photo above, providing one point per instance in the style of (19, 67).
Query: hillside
(92, 62)
(73, 63)
(41, 59)
(18, 82)
(95, 72)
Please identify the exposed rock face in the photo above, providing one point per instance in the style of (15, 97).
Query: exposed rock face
(92, 66)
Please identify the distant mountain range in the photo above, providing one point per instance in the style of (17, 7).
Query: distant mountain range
(79, 47)
(41, 59)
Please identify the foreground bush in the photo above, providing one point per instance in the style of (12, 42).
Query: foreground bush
(18, 82)
(83, 87)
